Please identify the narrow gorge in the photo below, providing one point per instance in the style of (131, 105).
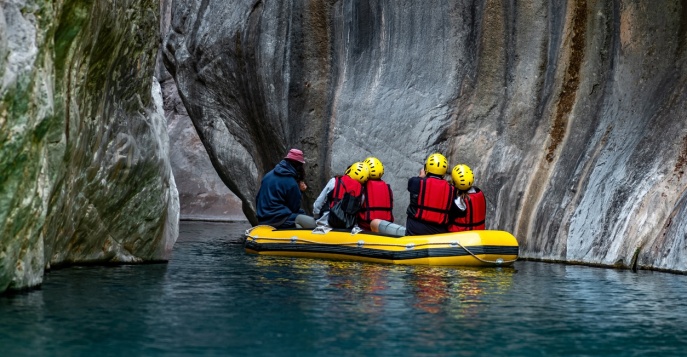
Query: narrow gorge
(570, 113)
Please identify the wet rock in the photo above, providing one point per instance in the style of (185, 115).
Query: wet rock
(84, 152)
(571, 114)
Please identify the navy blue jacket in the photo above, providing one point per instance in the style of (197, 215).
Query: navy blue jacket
(279, 196)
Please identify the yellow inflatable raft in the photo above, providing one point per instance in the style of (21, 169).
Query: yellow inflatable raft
(472, 248)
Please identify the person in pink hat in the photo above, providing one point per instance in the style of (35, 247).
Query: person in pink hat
(279, 198)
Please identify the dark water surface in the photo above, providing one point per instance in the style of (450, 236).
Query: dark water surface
(213, 299)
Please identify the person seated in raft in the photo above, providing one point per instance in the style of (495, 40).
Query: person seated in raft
(351, 182)
(430, 198)
(470, 207)
(279, 197)
(378, 199)
(430, 202)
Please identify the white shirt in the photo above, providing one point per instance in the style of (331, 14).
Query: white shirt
(459, 200)
(322, 198)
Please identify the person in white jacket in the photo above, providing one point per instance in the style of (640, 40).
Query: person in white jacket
(322, 199)
(359, 172)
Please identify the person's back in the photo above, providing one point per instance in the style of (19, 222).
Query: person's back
(378, 199)
(470, 206)
(279, 197)
(430, 199)
(346, 194)
(343, 185)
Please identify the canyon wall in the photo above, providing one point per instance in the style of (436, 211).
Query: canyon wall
(571, 113)
(85, 175)
(202, 194)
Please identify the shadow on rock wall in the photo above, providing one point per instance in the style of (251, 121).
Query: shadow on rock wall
(202, 194)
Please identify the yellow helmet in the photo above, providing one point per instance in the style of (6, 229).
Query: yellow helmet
(376, 167)
(462, 177)
(436, 164)
(359, 172)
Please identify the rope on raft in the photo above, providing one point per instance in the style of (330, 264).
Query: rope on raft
(361, 243)
(487, 261)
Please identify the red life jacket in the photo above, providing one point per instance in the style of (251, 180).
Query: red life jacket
(434, 201)
(475, 213)
(342, 185)
(378, 203)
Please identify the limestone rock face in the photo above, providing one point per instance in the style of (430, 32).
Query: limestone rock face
(571, 114)
(202, 194)
(84, 151)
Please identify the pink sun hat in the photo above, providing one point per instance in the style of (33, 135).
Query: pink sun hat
(295, 155)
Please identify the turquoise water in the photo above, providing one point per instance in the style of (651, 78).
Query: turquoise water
(213, 299)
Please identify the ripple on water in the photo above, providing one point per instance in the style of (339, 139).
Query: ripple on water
(213, 299)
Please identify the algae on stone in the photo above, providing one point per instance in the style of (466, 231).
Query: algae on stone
(84, 167)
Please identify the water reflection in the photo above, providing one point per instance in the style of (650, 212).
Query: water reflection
(76, 312)
(213, 299)
(457, 291)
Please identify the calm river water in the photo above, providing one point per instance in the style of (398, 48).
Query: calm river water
(213, 299)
